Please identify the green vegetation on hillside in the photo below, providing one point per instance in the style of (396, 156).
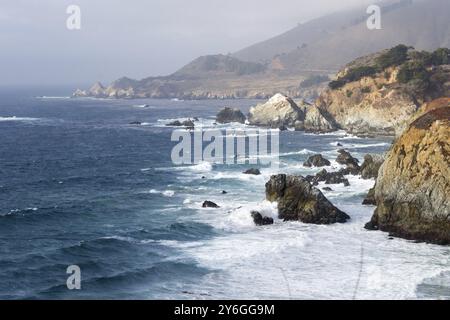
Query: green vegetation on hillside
(415, 67)
(393, 57)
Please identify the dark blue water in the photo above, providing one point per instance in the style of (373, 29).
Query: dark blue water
(81, 186)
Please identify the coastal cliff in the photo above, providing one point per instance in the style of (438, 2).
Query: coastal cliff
(378, 94)
(412, 191)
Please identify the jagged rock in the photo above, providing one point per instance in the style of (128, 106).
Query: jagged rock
(224, 192)
(328, 177)
(252, 171)
(345, 158)
(209, 204)
(316, 121)
(260, 220)
(412, 191)
(327, 189)
(317, 161)
(177, 123)
(299, 200)
(227, 115)
(371, 165)
(278, 112)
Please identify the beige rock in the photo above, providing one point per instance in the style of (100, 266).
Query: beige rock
(413, 186)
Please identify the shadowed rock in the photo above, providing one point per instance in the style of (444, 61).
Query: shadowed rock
(316, 161)
(209, 204)
(299, 200)
(228, 115)
(371, 165)
(260, 220)
(252, 171)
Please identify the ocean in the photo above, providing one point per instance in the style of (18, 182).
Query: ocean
(80, 185)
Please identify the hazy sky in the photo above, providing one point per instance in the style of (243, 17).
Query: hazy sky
(136, 38)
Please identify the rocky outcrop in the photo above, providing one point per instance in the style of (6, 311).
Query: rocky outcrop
(260, 220)
(380, 93)
(177, 123)
(328, 177)
(228, 115)
(317, 121)
(316, 161)
(278, 111)
(371, 166)
(412, 191)
(209, 204)
(299, 200)
(345, 158)
(252, 171)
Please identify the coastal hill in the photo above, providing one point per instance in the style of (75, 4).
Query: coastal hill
(297, 63)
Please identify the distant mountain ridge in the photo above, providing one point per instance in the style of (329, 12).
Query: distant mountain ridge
(319, 47)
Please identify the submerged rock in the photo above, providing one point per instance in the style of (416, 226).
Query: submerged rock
(317, 161)
(187, 123)
(209, 204)
(412, 191)
(252, 171)
(299, 200)
(260, 220)
(227, 115)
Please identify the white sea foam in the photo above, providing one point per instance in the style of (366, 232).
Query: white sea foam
(166, 193)
(14, 118)
(296, 260)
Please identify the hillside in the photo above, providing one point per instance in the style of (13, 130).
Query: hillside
(329, 42)
(298, 62)
(379, 93)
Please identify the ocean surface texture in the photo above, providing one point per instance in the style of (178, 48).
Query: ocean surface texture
(80, 185)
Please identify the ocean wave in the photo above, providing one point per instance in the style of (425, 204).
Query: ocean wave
(14, 118)
(54, 97)
(166, 193)
(19, 211)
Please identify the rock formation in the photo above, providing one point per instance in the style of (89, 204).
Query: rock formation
(378, 94)
(412, 191)
(316, 161)
(299, 200)
(209, 204)
(279, 111)
(371, 166)
(227, 115)
(260, 220)
(252, 171)
(346, 159)
(316, 121)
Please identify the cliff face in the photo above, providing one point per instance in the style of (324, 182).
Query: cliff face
(368, 99)
(413, 187)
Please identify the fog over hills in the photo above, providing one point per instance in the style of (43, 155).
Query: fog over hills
(319, 47)
(331, 41)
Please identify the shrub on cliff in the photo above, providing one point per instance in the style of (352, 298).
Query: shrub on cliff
(440, 56)
(393, 57)
(353, 74)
